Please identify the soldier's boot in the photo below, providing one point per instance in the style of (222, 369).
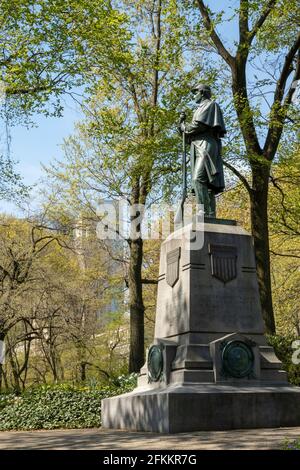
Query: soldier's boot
(212, 204)
(202, 197)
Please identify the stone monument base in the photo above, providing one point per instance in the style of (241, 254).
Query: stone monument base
(203, 408)
(209, 367)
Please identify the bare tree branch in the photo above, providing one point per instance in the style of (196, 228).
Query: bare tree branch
(279, 109)
(286, 255)
(240, 176)
(264, 15)
(229, 59)
(149, 281)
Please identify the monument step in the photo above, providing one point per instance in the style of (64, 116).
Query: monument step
(203, 408)
(192, 356)
(268, 359)
(186, 364)
(190, 376)
(273, 375)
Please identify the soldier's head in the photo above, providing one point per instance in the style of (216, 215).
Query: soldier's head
(201, 91)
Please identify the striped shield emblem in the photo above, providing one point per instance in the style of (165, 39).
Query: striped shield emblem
(223, 262)
(172, 274)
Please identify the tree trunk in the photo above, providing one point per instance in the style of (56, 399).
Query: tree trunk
(1, 375)
(4, 380)
(2, 337)
(136, 354)
(83, 371)
(53, 362)
(14, 369)
(260, 232)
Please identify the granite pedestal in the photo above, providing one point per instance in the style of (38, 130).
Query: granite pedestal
(208, 315)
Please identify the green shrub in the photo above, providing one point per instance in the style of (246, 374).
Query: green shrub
(291, 445)
(127, 381)
(56, 406)
(284, 351)
(6, 399)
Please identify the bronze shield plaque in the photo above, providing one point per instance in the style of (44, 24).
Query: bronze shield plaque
(172, 274)
(223, 262)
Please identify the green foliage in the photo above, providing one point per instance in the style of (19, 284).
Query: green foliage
(129, 135)
(6, 399)
(11, 186)
(43, 48)
(291, 445)
(284, 213)
(127, 381)
(58, 406)
(43, 55)
(284, 351)
(72, 324)
(285, 191)
(284, 19)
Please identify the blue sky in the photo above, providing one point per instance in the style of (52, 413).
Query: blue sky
(40, 144)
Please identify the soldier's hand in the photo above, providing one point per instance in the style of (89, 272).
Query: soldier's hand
(182, 117)
(181, 127)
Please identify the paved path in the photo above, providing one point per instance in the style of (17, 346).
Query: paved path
(94, 439)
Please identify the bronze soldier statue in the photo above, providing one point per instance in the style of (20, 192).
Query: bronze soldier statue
(204, 135)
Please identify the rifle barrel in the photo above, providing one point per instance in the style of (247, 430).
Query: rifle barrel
(184, 179)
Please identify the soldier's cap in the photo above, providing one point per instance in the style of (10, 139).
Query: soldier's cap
(201, 87)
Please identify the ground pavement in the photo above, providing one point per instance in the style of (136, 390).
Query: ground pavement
(94, 439)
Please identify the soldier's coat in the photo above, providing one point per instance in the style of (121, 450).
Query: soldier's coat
(205, 134)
